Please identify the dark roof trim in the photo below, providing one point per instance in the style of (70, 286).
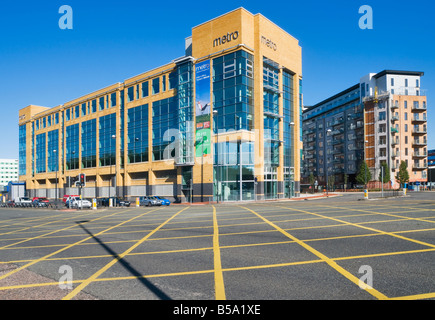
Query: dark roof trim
(398, 72)
(334, 97)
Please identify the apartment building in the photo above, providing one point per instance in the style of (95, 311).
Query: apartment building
(220, 123)
(382, 119)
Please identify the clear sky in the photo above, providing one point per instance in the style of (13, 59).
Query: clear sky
(113, 40)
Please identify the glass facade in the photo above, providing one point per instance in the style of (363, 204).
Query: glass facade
(40, 153)
(233, 98)
(53, 150)
(89, 144)
(234, 172)
(22, 150)
(233, 88)
(137, 122)
(165, 128)
(288, 134)
(107, 141)
(72, 147)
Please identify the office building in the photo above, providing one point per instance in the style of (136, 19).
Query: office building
(382, 119)
(221, 123)
(8, 171)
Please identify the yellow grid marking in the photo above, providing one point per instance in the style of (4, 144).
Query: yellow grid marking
(323, 257)
(85, 283)
(218, 275)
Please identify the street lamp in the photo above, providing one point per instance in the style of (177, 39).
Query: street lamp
(115, 182)
(57, 169)
(215, 113)
(291, 125)
(328, 132)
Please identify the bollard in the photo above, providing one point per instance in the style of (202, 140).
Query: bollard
(94, 204)
(110, 202)
(137, 202)
(404, 191)
(366, 194)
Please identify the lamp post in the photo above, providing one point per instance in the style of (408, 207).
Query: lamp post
(115, 182)
(57, 169)
(215, 113)
(328, 132)
(291, 125)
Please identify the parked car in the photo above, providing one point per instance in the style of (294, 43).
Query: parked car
(117, 202)
(23, 202)
(68, 196)
(79, 203)
(40, 199)
(40, 203)
(149, 201)
(164, 201)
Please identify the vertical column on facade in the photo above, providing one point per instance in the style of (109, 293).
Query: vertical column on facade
(280, 169)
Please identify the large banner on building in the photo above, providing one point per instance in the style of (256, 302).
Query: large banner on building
(202, 108)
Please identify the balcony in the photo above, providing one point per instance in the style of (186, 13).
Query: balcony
(395, 154)
(418, 107)
(419, 130)
(418, 166)
(394, 130)
(419, 143)
(418, 119)
(394, 118)
(419, 154)
(394, 142)
(394, 106)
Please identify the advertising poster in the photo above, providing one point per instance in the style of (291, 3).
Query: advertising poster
(202, 108)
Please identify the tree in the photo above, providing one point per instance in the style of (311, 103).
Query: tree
(364, 175)
(331, 182)
(346, 179)
(403, 175)
(312, 180)
(386, 176)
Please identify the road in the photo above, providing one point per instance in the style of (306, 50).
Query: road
(340, 248)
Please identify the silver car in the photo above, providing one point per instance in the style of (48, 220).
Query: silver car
(149, 201)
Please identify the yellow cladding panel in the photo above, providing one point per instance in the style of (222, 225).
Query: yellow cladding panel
(26, 114)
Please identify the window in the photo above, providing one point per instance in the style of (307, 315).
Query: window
(405, 104)
(72, 147)
(406, 115)
(77, 112)
(22, 149)
(40, 153)
(53, 156)
(406, 139)
(56, 118)
(417, 83)
(163, 83)
(137, 124)
(113, 99)
(101, 103)
(68, 116)
(83, 109)
(406, 127)
(406, 82)
(165, 123)
(89, 144)
(130, 94)
(382, 115)
(94, 106)
(145, 89)
(107, 144)
(173, 81)
(156, 85)
(392, 82)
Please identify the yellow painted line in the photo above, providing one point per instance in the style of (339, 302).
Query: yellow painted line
(218, 275)
(71, 245)
(45, 234)
(323, 257)
(373, 229)
(416, 297)
(85, 283)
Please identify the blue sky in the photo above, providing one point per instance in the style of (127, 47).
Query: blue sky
(114, 40)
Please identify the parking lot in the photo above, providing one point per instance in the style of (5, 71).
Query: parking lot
(336, 248)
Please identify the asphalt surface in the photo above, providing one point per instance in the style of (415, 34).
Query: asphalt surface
(320, 249)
